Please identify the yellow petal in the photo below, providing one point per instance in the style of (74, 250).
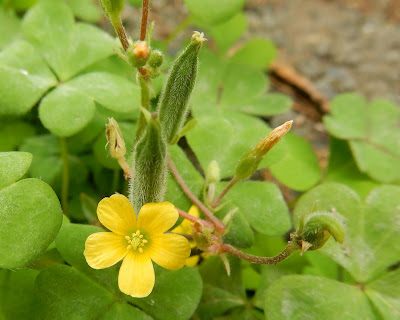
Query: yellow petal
(136, 276)
(192, 261)
(116, 214)
(104, 249)
(194, 211)
(169, 250)
(156, 218)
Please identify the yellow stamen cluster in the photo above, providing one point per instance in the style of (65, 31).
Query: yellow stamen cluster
(136, 242)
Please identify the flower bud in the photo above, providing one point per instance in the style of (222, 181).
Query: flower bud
(138, 54)
(213, 172)
(112, 8)
(202, 235)
(115, 140)
(173, 105)
(156, 59)
(250, 161)
(148, 182)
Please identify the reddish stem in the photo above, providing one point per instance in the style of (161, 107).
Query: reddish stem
(143, 25)
(224, 192)
(189, 217)
(219, 226)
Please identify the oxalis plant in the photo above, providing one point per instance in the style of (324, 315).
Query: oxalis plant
(192, 231)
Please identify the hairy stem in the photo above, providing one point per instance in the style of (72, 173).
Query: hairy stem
(145, 103)
(65, 175)
(224, 192)
(143, 25)
(290, 248)
(119, 29)
(219, 226)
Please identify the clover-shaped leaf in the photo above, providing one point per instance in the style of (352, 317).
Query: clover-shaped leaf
(13, 165)
(371, 228)
(299, 168)
(262, 205)
(373, 133)
(67, 47)
(30, 217)
(310, 297)
(24, 78)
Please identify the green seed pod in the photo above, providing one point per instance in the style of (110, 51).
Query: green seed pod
(250, 161)
(173, 105)
(156, 59)
(112, 8)
(148, 182)
(138, 54)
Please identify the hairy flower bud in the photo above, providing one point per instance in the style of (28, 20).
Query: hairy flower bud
(250, 161)
(138, 54)
(156, 59)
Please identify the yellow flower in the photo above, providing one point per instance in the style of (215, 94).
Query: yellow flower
(137, 242)
(185, 228)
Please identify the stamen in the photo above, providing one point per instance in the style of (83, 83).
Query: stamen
(144, 241)
(136, 242)
(127, 237)
(140, 250)
(128, 247)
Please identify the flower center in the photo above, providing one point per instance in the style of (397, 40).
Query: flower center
(136, 241)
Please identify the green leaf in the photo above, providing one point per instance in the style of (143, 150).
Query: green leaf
(299, 169)
(13, 165)
(342, 169)
(10, 27)
(229, 135)
(308, 297)
(242, 83)
(124, 311)
(263, 206)
(47, 162)
(320, 265)
(62, 292)
(373, 134)
(24, 78)
(369, 247)
(85, 9)
(73, 47)
(30, 217)
(258, 53)
(113, 92)
(266, 105)
(190, 175)
(186, 286)
(227, 33)
(70, 243)
(16, 293)
(239, 233)
(214, 12)
(13, 133)
(101, 152)
(384, 293)
(221, 292)
(65, 111)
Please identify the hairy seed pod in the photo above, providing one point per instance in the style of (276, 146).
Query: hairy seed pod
(148, 182)
(173, 105)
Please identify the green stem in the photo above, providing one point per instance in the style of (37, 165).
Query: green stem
(65, 175)
(115, 182)
(182, 26)
(224, 192)
(145, 103)
(291, 247)
(119, 29)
